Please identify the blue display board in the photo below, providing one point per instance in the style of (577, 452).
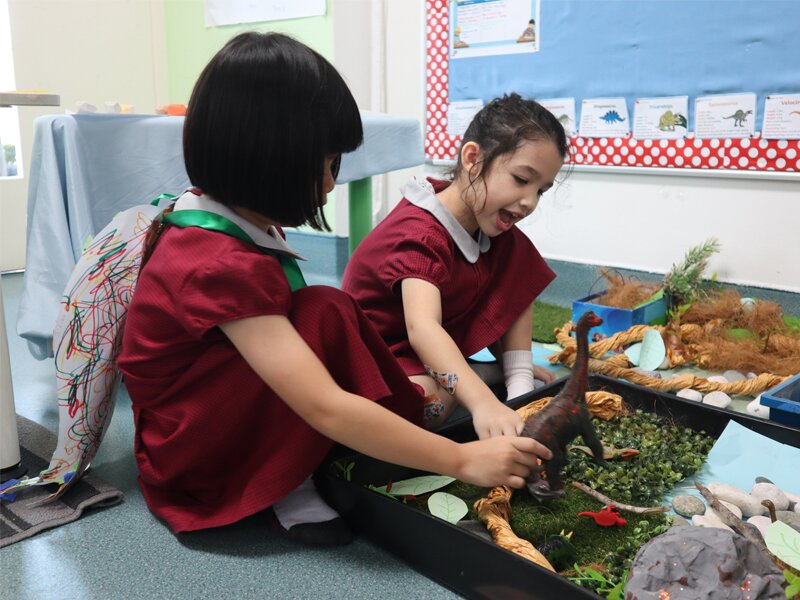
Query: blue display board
(646, 48)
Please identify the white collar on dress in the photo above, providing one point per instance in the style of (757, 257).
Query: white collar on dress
(270, 238)
(420, 193)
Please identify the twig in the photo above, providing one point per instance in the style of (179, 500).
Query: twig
(735, 523)
(608, 501)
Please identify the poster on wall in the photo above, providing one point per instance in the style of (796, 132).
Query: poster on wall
(231, 12)
(725, 116)
(782, 117)
(493, 27)
(660, 118)
(564, 111)
(604, 117)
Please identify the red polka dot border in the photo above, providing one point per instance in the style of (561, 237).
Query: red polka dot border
(687, 153)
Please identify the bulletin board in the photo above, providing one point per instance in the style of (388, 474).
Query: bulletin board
(633, 49)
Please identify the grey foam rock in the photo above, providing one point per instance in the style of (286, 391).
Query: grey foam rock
(687, 505)
(694, 563)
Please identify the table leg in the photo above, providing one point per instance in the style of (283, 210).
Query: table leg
(10, 465)
(360, 210)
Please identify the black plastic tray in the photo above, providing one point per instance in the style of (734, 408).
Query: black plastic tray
(465, 562)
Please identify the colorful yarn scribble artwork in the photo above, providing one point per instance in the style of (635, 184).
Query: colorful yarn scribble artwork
(86, 339)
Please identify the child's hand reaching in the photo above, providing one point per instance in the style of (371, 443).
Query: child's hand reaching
(493, 419)
(500, 461)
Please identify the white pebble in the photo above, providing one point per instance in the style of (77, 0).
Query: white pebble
(710, 512)
(709, 520)
(718, 399)
(751, 375)
(756, 408)
(690, 394)
(733, 508)
(733, 376)
(717, 379)
(770, 491)
(750, 506)
(761, 522)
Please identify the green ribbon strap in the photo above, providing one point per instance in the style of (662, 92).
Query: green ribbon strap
(214, 222)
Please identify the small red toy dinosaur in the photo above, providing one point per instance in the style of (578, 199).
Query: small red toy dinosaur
(605, 517)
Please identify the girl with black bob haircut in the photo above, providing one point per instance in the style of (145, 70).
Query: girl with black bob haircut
(263, 115)
(241, 377)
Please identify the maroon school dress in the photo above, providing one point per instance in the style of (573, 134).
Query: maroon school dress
(482, 294)
(213, 442)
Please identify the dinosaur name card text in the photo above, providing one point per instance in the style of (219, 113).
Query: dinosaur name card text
(725, 116)
(604, 117)
(782, 117)
(660, 118)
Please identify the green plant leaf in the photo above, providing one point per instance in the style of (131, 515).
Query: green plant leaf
(784, 542)
(417, 485)
(794, 584)
(448, 507)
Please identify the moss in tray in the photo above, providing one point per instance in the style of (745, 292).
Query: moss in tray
(668, 454)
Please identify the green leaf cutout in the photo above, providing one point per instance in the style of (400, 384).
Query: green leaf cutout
(448, 507)
(784, 542)
(417, 485)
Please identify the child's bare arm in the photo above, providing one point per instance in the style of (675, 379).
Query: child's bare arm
(435, 348)
(274, 349)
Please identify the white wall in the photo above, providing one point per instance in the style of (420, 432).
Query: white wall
(631, 221)
(84, 50)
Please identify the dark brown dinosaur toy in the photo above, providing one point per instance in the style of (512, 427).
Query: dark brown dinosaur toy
(564, 418)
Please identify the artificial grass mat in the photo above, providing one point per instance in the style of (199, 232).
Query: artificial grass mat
(546, 318)
(594, 545)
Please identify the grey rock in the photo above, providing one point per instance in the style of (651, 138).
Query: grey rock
(475, 527)
(687, 505)
(791, 518)
(653, 374)
(733, 376)
(760, 479)
(718, 564)
(679, 521)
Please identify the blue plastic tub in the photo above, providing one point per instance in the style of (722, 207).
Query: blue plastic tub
(784, 402)
(620, 319)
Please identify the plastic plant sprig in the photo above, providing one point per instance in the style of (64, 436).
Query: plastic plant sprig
(346, 469)
(794, 584)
